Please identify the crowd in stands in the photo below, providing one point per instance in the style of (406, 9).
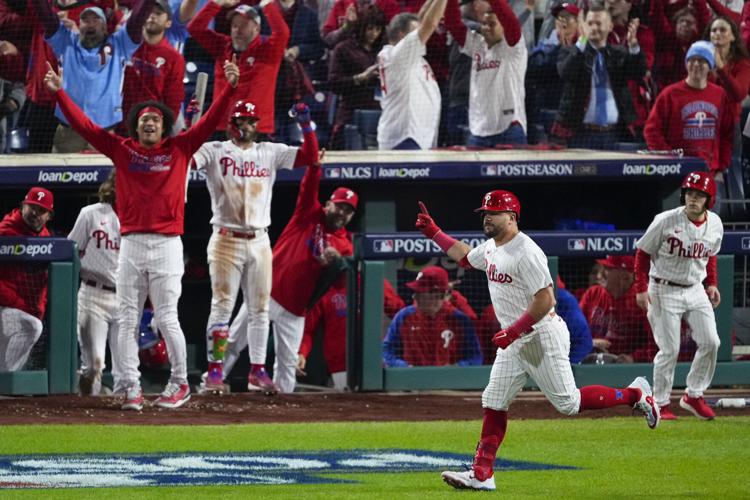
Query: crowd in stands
(443, 73)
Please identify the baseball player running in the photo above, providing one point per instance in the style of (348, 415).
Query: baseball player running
(97, 234)
(314, 240)
(23, 286)
(239, 175)
(150, 173)
(676, 278)
(534, 340)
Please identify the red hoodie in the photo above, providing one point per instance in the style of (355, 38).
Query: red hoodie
(23, 285)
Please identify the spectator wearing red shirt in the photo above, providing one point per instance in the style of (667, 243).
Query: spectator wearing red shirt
(732, 70)
(156, 70)
(23, 286)
(618, 326)
(432, 332)
(258, 56)
(694, 114)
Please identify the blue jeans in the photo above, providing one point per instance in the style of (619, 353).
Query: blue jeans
(407, 143)
(512, 135)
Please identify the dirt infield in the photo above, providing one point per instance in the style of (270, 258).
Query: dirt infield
(244, 408)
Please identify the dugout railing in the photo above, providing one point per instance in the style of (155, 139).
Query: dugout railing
(60, 324)
(375, 253)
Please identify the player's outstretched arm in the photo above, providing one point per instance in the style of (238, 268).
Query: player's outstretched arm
(307, 154)
(455, 249)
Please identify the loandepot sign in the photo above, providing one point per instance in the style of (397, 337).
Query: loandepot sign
(106, 471)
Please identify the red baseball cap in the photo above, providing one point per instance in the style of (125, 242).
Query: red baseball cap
(430, 279)
(345, 195)
(565, 6)
(624, 262)
(41, 197)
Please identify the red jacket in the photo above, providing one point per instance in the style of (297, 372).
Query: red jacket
(23, 285)
(149, 183)
(259, 63)
(295, 266)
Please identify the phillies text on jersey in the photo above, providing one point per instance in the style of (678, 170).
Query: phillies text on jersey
(97, 234)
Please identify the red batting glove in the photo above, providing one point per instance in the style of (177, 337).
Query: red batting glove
(504, 338)
(425, 223)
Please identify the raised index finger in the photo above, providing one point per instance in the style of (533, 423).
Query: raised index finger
(422, 208)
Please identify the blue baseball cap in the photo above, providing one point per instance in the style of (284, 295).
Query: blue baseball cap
(703, 49)
(96, 10)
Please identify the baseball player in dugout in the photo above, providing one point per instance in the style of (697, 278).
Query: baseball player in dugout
(534, 340)
(23, 286)
(97, 234)
(676, 278)
(311, 244)
(240, 174)
(150, 174)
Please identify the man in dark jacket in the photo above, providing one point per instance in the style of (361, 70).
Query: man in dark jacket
(596, 108)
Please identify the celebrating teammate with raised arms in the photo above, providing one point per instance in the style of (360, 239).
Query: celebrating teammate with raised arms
(534, 340)
(240, 174)
(150, 174)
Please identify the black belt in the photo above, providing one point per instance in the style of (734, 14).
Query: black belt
(670, 283)
(96, 284)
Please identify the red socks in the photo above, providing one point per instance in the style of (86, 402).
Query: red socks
(493, 432)
(255, 367)
(596, 397)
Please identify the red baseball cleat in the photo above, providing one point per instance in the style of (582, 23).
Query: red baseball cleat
(697, 406)
(133, 398)
(259, 380)
(666, 413)
(174, 396)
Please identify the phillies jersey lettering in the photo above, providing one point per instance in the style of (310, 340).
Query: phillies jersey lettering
(678, 248)
(516, 271)
(240, 181)
(480, 65)
(97, 234)
(246, 169)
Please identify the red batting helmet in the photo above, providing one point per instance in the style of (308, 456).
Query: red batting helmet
(242, 109)
(700, 181)
(500, 201)
(155, 356)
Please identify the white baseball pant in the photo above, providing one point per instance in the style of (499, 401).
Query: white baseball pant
(96, 327)
(240, 263)
(150, 265)
(288, 329)
(19, 331)
(669, 304)
(543, 355)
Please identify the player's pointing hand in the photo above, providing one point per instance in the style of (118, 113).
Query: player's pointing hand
(425, 223)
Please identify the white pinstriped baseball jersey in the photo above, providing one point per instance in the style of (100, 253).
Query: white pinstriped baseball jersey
(97, 234)
(240, 181)
(679, 249)
(411, 96)
(497, 94)
(516, 271)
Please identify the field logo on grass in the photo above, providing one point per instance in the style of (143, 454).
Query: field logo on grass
(107, 470)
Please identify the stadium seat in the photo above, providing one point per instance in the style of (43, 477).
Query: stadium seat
(19, 140)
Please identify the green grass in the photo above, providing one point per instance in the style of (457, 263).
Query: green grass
(620, 458)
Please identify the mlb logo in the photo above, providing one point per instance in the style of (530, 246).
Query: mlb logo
(746, 243)
(383, 246)
(333, 173)
(577, 244)
(489, 170)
